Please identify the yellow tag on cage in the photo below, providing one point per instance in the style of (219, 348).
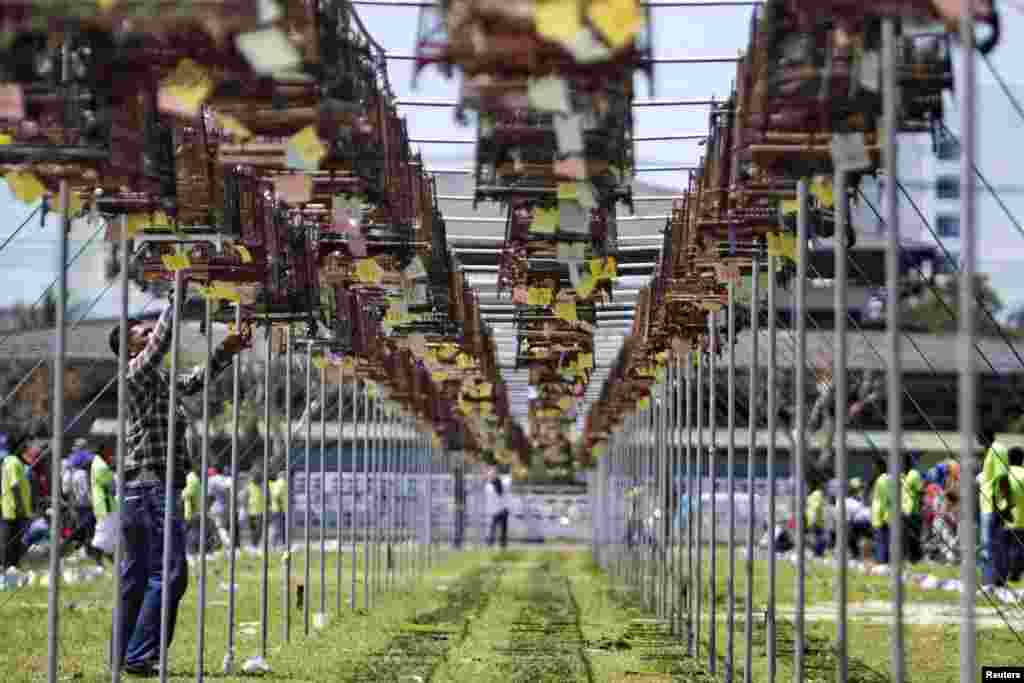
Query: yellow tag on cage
(309, 150)
(558, 20)
(185, 90)
(221, 291)
(176, 262)
(368, 271)
(25, 187)
(821, 188)
(618, 20)
(232, 126)
(566, 311)
(567, 192)
(439, 376)
(539, 296)
(789, 207)
(463, 361)
(447, 351)
(244, 252)
(6, 139)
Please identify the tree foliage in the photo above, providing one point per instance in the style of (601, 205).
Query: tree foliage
(938, 310)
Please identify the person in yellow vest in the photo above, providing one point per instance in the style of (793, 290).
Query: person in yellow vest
(994, 469)
(815, 515)
(278, 505)
(1014, 532)
(15, 506)
(255, 506)
(881, 514)
(191, 496)
(912, 491)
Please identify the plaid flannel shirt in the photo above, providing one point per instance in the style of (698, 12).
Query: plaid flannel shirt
(149, 398)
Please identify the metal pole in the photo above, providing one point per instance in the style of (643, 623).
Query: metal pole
(265, 532)
(309, 445)
(57, 448)
(340, 506)
(677, 439)
(355, 482)
(664, 492)
(713, 471)
(730, 646)
(236, 399)
(699, 584)
(377, 446)
(801, 438)
(323, 490)
(968, 334)
(890, 106)
(690, 511)
(772, 379)
(169, 483)
(428, 468)
(286, 606)
(204, 479)
(841, 401)
(752, 420)
(122, 448)
(366, 498)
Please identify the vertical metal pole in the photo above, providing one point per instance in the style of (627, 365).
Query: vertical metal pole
(170, 502)
(323, 490)
(236, 400)
(890, 114)
(376, 445)
(664, 493)
(57, 447)
(668, 430)
(752, 421)
(772, 379)
(730, 646)
(691, 502)
(355, 481)
(366, 498)
(122, 447)
(268, 444)
(699, 584)
(204, 479)
(428, 468)
(968, 334)
(286, 606)
(677, 471)
(340, 506)
(713, 471)
(801, 438)
(842, 400)
(309, 445)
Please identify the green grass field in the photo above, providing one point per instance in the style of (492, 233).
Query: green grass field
(529, 616)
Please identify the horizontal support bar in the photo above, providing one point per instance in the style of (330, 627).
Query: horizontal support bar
(636, 103)
(490, 219)
(649, 169)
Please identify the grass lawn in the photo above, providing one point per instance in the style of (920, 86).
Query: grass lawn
(531, 616)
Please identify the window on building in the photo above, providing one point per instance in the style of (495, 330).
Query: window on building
(948, 225)
(948, 149)
(947, 187)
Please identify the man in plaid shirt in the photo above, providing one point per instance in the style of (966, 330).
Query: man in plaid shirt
(142, 517)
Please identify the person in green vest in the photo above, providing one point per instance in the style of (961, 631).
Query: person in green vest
(101, 476)
(255, 506)
(1014, 532)
(278, 505)
(881, 514)
(15, 506)
(912, 491)
(191, 496)
(815, 515)
(994, 468)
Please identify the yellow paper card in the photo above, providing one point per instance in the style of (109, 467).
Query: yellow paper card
(545, 220)
(586, 360)
(439, 376)
(6, 139)
(566, 311)
(618, 20)
(486, 408)
(232, 126)
(567, 192)
(565, 403)
(244, 253)
(463, 361)
(185, 90)
(368, 271)
(309, 150)
(790, 207)
(25, 187)
(485, 390)
(176, 262)
(221, 291)
(558, 20)
(821, 188)
(539, 296)
(447, 351)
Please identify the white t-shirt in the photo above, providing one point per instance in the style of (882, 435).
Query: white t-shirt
(857, 511)
(492, 501)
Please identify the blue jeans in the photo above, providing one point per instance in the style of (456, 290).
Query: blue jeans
(991, 526)
(882, 544)
(142, 580)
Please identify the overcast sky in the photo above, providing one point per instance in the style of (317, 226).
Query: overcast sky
(29, 261)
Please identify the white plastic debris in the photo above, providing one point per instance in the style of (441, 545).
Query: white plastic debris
(930, 583)
(320, 620)
(255, 666)
(881, 570)
(228, 664)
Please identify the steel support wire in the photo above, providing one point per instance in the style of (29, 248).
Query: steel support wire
(800, 390)
(21, 227)
(968, 332)
(286, 582)
(323, 494)
(236, 401)
(122, 451)
(841, 401)
(169, 483)
(771, 626)
(752, 421)
(204, 479)
(306, 598)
